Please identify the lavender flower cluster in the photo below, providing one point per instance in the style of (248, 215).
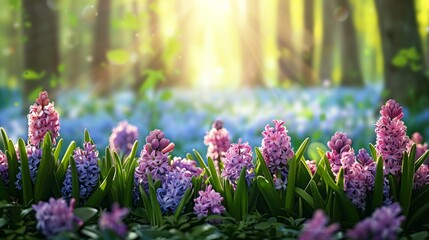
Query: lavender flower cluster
(34, 156)
(86, 160)
(238, 156)
(55, 216)
(113, 220)
(4, 167)
(317, 228)
(208, 202)
(123, 137)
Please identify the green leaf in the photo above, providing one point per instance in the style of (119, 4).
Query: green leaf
(313, 150)
(27, 184)
(129, 184)
(96, 198)
(270, 195)
(421, 160)
(399, 61)
(377, 198)
(214, 178)
(319, 203)
(33, 75)
(407, 179)
(5, 138)
(58, 149)
(417, 217)
(133, 152)
(241, 201)
(4, 195)
(185, 199)
(118, 56)
(306, 197)
(86, 136)
(262, 168)
(393, 190)
(13, 168)
(45, 173)
(373, 151)
(75, 181)
(85, 213)
(61, 171)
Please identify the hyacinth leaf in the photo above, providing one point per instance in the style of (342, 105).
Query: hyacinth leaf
(75, 181)
(61, 171)
(85, 213)
(373, 151)
(57, 149)
(27, 185)
(270, 195)
(106, 162)
(314, 150)
(132, 154)
(393, 190)
(421, 160)
(416, 217)
(155, 208)
(189, 156)
(4, 195)
(329, 180)
(340, 179)
(241, 199)
(306, 197)
(328, 169)
(87, 137)
(420, 198)
(4, 138)
(262, 168)
(407, 179)
(304, 174)
(321, 152)
(228, 193)
(185, 199)
(201, 161)
(214, 178)
(377, 198)
(45, 173)
(96, 197)
(129, 184)
(319, 203)
(290, 190)
(13, 169)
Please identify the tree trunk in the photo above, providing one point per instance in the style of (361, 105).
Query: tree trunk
(136, 68)
(405, 82)
(100, 71)
(251, 48)
(286, 68)
(351, 70)
(327, 41)
(308, 48)
(41, 49)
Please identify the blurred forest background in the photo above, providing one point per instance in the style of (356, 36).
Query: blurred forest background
(108, 46)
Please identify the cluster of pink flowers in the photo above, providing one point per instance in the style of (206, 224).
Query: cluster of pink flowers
(123, 137)
(218, 142)
(42, 118)
(238, 156)
(4, 168)
(421, 147)
(338, 144)
(208, 202)
(392, 137)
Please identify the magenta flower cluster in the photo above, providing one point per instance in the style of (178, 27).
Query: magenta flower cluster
(421, 177)
(4, 168)
(421, 147)
(176, 182)
(317, 228)
(208, 202)
(392, 137)
(34, 156)
(338, 145)
(42, 118)
(86, 160)
(55, 216)
(113, 220)
(238, 156)
(218, 142)
(383, 224)
(123, 137)
(153, 158)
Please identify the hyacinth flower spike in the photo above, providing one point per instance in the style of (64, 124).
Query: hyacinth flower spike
(218, 142)
(42, 118)
(123, 137)
(4, 169)
(317, 228)
(113, 221)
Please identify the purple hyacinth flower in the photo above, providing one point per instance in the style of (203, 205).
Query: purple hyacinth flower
(123, 137)
(34, 156)
(312, 165)
(173, 188)
(317, 228)
(55, 216)
(238, 156)
(187, 164)
(276, 146)
(421, 177)
(4, 168)
(208, 202)
(421, 147)
(86, 160)
(113, 220)
(383, 224)
(392, 138)
(338, 144)
(217, 142)
(42, 118)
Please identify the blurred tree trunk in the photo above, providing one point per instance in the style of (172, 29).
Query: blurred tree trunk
(286, 70)
(100, 71)
(404, 80)
(41, 48)
(351, 70)
(14, 59)
(136, 68)
(327, 41)
(75, 51)
(251, 47)
(308, 41)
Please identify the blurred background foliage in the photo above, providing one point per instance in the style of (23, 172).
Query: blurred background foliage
(172, 64)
